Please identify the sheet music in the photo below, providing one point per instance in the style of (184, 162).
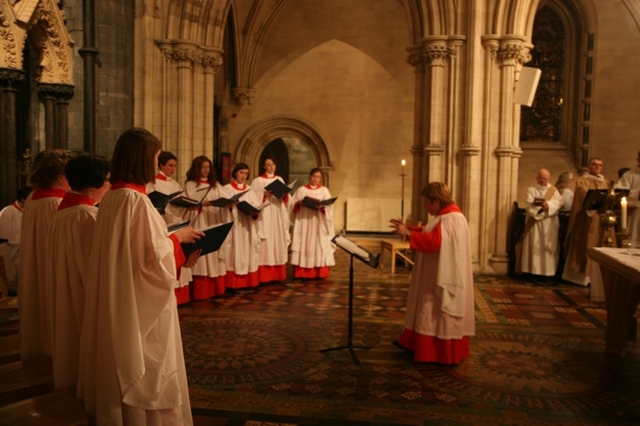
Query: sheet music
(352, 247)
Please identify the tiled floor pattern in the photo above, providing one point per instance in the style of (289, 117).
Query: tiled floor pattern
(537, 358)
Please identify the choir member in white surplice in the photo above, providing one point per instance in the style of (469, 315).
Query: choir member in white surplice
(50, 185)
(70, 243)
(275, 223)
(244, 238)
(210, 270)
(440, 314)
(132, 369)
(166, 184)
(585, 229)
(539, 253)
(311, 247)
(631, 181)
(10, 230)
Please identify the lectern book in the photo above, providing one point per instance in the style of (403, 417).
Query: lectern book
(352, 248)
(224, 202)
(279, 189)
(315, 204)
(212, 240)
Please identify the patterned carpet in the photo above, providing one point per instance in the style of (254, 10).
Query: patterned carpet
(253, 357)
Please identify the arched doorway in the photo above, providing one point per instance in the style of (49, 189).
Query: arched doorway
(296, 146)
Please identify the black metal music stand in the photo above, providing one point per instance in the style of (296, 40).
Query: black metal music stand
(369, 259)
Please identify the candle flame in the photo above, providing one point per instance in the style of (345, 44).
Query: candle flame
(403, 163)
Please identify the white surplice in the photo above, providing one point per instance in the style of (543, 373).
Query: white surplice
(540, 243)
(274, 227)
(244, 236)
(33, 297)
(311, 245)
(70, 247)
(211, 265)
(10, 226)
(131, 357)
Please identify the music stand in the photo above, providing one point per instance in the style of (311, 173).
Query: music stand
(367, 258)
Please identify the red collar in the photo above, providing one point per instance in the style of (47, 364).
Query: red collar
(265, 176)
(236, 186)
(74, 199)
(161, 176)
(451, 208)
(39, 194)
(16, 205)
(119, 185)
(308, 186)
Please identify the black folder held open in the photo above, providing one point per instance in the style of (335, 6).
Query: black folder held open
(212, 240)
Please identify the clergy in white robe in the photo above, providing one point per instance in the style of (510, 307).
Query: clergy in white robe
(70, 244)
(10, 230)
(440, 309)
(164, 183)
(275, 224)
(33, 295)
(210, 270)
(539, 253)
(132, 369)
(631, 181)
(585, 229)
(312, 252)
(244, 238)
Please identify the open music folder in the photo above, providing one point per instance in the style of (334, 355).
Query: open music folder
(212, 240)
(352, 248)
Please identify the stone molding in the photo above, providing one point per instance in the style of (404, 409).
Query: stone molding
(187, 54)
(243, 95)
(58, 92)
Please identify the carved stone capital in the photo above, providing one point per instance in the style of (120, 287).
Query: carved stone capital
(417, 59)
(57, 92)
(10, 76)
(436, 53)
(433, 149)
(491, 45)
(211, 60)
(243, 95)
(512, 51)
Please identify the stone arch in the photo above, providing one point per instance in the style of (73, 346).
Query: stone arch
(259, 135)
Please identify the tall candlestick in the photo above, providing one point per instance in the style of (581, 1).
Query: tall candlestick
(402, 192)
(623, 213)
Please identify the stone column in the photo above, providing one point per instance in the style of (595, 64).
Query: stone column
(211, 63)
(184, 56)
(419, 61)
(55, 98)
(508, 56)
(8, 134)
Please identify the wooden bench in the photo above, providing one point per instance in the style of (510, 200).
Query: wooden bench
(25, 379)
(398, 247)
(9, 348)
(58, 408)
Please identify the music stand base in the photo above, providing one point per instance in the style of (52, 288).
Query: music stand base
(351, 348)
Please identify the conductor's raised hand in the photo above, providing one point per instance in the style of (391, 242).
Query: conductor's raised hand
(188, 234)
(398, 227)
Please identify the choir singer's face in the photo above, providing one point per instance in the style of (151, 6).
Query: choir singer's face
(241, 175)
(170, 168)
(315, 179)
(204, 170)
(269, 166)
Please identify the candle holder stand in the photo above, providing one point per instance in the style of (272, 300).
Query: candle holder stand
(609, 220)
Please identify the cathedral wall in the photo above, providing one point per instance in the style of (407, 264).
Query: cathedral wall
(341, 68)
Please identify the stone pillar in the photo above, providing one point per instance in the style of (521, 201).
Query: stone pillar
(508, 57)
(419, 61)
(211, 63)
(55, 98)
(184, 56)
(8, 134)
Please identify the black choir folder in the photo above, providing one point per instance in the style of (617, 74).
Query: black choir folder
(184, 201)
(248, 209)
(279, 189)
(596, 199)
(160, 199)
(212, 240)
(315, 204)
(224, 202)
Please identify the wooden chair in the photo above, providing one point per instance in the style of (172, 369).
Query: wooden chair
(398, 247)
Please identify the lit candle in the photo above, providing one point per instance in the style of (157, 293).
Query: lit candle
(623, 213)
(403, 164)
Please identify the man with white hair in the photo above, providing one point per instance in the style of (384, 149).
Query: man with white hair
(538, 251)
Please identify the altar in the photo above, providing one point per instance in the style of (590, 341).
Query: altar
(620, 270)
